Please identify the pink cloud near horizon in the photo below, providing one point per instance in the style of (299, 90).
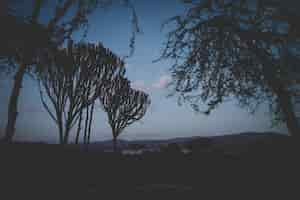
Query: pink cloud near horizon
(162, 82)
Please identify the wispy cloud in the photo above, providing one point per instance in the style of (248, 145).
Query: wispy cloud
(162, 82)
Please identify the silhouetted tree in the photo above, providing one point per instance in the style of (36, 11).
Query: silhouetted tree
(23, 38)
(244, 49)
(26, 38)
(72, 80)
(123, 105)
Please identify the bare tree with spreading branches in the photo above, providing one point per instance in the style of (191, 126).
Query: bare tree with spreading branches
(123, 105)
(72, 81)
(243, 49)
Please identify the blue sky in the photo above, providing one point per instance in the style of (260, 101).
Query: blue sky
(164, 119)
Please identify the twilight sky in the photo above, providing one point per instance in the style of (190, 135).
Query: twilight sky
(164, 119)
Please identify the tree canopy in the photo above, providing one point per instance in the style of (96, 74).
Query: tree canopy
(123, 105)
(240, 49)
(72, 80)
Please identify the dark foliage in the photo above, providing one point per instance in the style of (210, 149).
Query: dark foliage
(247, 50)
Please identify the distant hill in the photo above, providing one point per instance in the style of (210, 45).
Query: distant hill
(246, 142)
(232, 144)
(240, 140)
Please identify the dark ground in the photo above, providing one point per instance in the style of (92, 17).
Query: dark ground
(265, 171)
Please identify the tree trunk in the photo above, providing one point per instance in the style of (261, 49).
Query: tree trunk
(283, 95)
(67, 132)
(115, 144)
(90, 123)
(13, 104)
(79, 127)
(285, 103)
(86, 125)
(65, 138)
(61, 132)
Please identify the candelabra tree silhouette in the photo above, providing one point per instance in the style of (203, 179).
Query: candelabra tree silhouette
(123, 105)
(242, 49)
(27, 38)
(24, 37)
(72, 81)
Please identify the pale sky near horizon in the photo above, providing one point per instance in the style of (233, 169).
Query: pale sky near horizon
(164, 119)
